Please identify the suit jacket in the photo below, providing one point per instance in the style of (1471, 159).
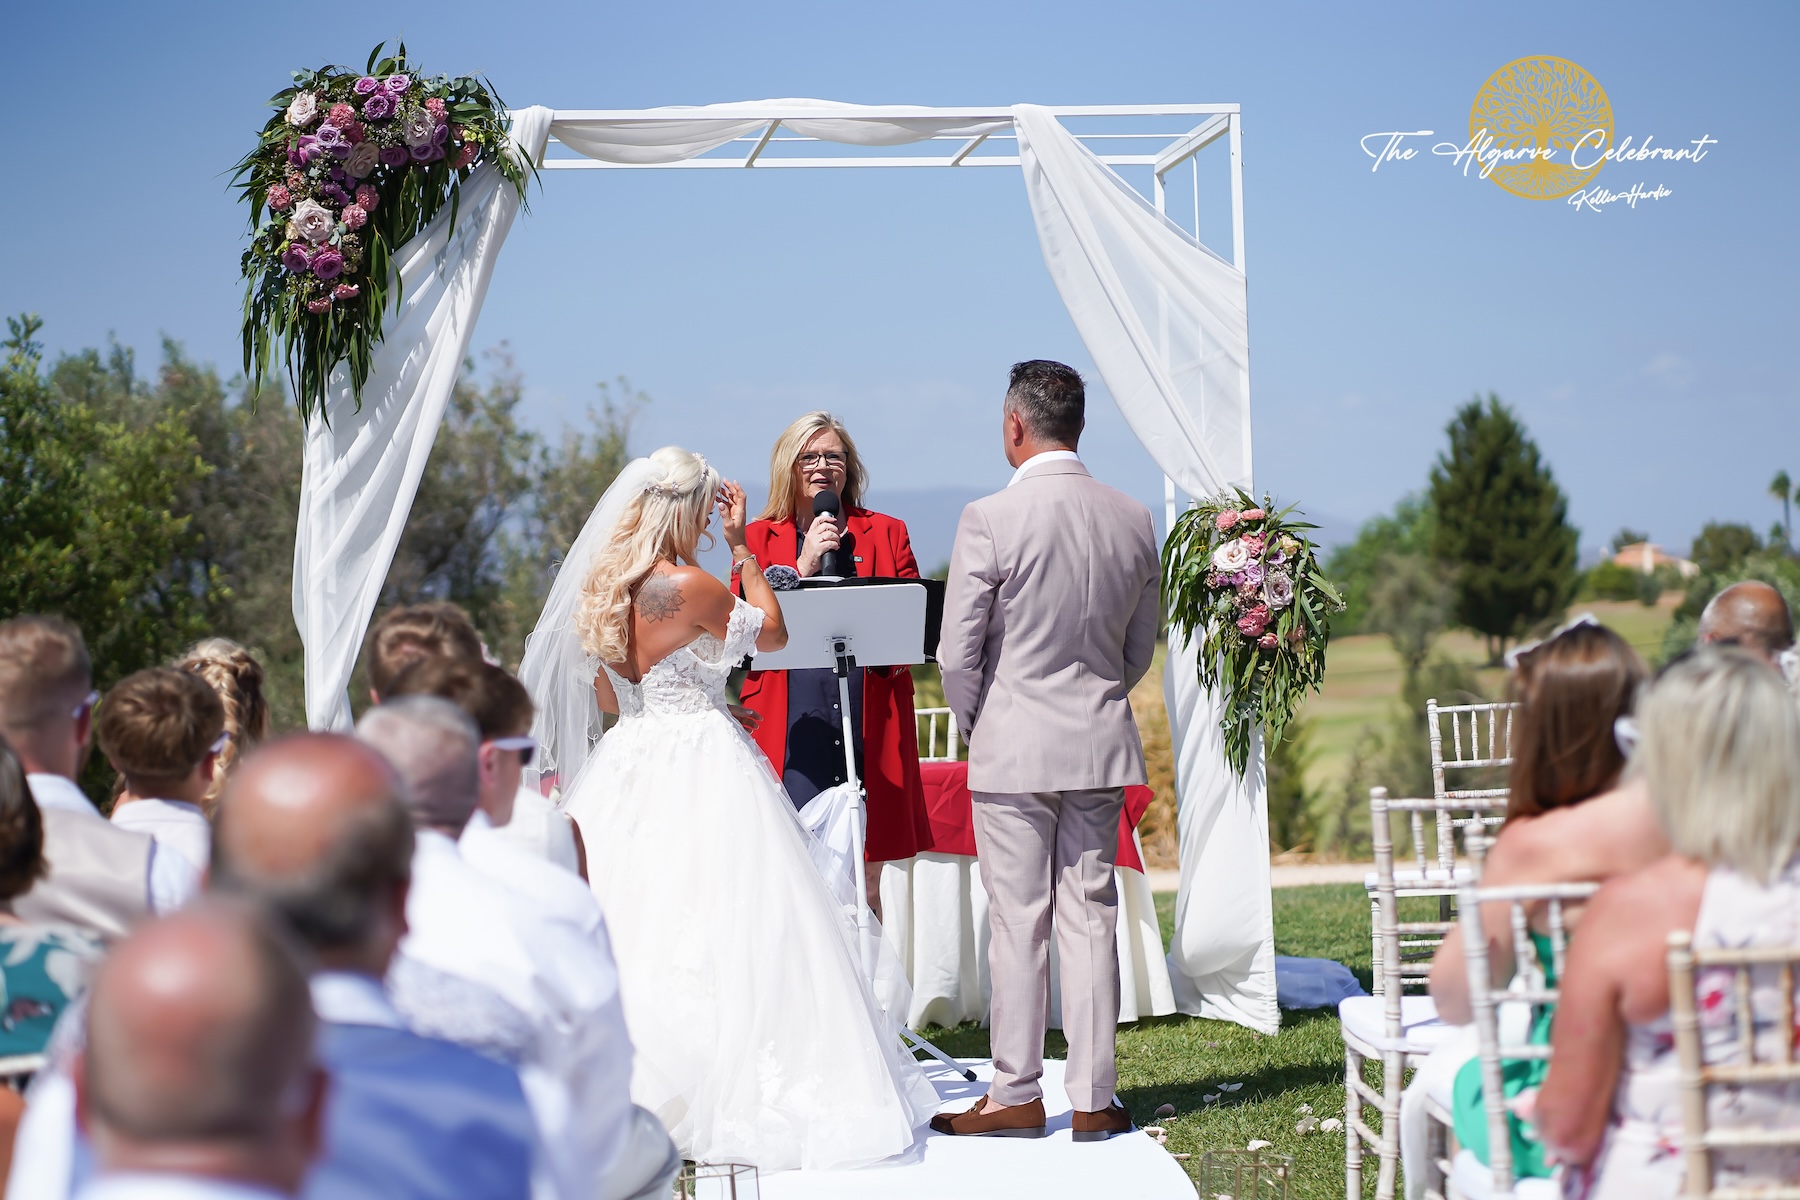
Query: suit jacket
(898, 825)
(1050, 618)
(98, 879)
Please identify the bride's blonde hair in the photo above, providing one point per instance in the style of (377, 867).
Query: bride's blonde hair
(664, 521)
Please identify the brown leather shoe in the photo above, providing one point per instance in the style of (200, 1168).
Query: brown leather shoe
(1098, 1126)
(984, 1120)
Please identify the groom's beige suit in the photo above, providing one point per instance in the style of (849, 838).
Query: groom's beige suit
(1049, 619)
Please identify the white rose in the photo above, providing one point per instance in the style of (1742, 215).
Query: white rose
(1232, 556)
(304, 108)
(362, 160)
(419, 129)
(314, 221)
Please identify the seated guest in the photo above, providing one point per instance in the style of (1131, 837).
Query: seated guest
(1568, 820)
(314, 830)
(41, 969)
(232, 672)
(1721, 757)
(626, 1143)
(162, 730)
(407, 635)
(100, 879)
(798, 723)
(1750, 614)
(197, 1080)
(468, 934)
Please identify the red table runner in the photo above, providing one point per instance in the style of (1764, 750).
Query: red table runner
(950, 808)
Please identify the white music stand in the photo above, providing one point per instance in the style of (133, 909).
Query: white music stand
(841, 628)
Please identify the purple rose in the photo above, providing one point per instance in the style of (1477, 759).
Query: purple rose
(328, 264)
(338, 195)
(1253, 574)
(294, 258)
(425, 154)
(378, 107)
(308, 148)
(337, 173)
(393, 156)
(1277, 557)
(341, 151)
(396, 85)
(441, 134)
(329, 135)
(365, 86)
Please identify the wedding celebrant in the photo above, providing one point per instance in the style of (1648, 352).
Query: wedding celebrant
(801, 727)
(1049, 619)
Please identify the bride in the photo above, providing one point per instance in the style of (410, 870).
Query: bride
(758, 1039)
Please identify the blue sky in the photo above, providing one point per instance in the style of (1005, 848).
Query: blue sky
(1648, 350)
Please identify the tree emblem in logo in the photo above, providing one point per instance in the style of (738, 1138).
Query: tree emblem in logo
(1543, 103)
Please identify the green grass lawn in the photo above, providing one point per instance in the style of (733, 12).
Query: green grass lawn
(1179, 1060)
(1362, 677)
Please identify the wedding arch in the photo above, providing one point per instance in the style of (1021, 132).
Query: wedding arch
(1162, 317)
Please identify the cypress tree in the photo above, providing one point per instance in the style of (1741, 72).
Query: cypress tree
(1502, 525)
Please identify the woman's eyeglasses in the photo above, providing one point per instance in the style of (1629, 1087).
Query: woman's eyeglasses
(821, 458)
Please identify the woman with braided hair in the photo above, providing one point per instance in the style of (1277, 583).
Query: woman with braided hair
(232, 672)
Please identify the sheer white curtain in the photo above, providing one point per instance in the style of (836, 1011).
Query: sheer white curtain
(362, 467)
(1163, 319)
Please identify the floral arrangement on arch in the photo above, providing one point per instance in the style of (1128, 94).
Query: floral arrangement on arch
(352, 165)
(1245, 580)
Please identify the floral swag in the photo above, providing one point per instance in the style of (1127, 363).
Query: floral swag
(1246, 581)
(351, 166)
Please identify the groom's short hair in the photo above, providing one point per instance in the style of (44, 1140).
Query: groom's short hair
(1049, 398)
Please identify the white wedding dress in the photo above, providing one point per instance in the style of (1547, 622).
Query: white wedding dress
(758, 1040)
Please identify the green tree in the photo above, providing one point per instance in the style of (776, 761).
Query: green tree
(1285, 763)
(1356, 568)
(1502, 526)
(1782, 488)
(1721, 546)
(1628, 536)
(1410, 601)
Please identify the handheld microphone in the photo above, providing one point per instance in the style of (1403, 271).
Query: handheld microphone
(831, 563)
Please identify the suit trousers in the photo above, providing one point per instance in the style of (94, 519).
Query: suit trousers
(1040, 850)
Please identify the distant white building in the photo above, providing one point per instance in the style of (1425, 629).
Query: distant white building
(1647, 556)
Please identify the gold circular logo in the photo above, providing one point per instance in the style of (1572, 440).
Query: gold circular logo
(1535, 105)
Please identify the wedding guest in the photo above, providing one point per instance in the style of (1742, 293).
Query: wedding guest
(1750, 614)
(314, 830)
(198, 1078)
(1568, 820)
(441, 630)
(471, 940)
(1721, 756)
(162, 730)
(232, 672)
(101, 879)
(800, 725)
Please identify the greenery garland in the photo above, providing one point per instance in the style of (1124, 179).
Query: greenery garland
(351, 167)
(1246, 580)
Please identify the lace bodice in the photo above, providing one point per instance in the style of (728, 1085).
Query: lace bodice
(692, 679)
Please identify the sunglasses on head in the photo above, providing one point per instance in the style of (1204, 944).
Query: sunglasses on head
(86, 706)
(525, 744)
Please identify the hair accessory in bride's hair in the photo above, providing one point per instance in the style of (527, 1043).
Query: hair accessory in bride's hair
(665, 488)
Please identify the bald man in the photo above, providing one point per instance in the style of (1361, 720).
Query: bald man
(197, 1080)
(1751, 614)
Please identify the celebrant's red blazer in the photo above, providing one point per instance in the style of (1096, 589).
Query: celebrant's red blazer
(898, 824)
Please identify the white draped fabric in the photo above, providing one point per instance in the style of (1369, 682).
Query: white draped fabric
(1163, 319)
(362, 467)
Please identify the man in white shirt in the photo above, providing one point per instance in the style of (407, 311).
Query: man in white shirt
(162, 731)
(466, 924)
(198, 1079)
(627, 1143)
(102, 879)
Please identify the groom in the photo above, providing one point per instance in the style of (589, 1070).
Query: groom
(1049, 619)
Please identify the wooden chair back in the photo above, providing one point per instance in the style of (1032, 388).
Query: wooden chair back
(1758, 1062)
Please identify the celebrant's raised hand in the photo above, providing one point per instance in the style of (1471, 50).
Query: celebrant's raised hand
(825, 533)
(731, 506)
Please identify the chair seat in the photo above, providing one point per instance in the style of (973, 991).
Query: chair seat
(1473, 1181)
(1365, 1025)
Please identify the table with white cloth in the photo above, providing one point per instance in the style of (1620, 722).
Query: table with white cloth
(935, 916)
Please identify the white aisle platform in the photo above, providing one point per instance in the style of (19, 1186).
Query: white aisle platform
(1048, 1168)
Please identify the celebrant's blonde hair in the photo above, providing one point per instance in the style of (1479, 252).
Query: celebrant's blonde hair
(784, 489)
(664, 521)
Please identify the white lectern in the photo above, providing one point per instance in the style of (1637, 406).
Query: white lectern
(841, 626)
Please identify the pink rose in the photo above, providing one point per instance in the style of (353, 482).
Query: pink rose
(355, 217)
(280, 198)
(302, 109)
(1254, 543)
(1231, 557)
(465, 156)
(1254, 514)
(435, 107)
(1226, 520)
(345, 291)
(1252, 623)
(340, 115)
(322, 304)
(1268, 641)
(355, 133)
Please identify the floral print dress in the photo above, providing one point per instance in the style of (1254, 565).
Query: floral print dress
(1640, 1158)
